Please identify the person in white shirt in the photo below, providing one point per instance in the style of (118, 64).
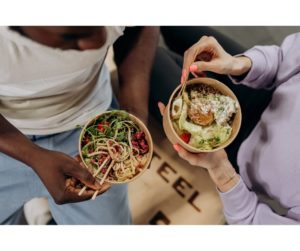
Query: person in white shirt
(51, 80)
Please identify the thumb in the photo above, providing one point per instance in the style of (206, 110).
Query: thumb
(200, 66)
(85, 177)
(161, 107)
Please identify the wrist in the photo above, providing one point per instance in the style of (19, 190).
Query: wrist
(229, 184)
(240, 65)
(32, 155)
(142, 114)
(137, 106)
(20, 148)
(224, 175)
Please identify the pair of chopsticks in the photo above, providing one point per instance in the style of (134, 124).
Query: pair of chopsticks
(184, 85)
(103, 178)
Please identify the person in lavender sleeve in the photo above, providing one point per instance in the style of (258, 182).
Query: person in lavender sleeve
(268, 159)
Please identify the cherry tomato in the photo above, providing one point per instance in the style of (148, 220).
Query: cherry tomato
(185, 137)
(102, 126)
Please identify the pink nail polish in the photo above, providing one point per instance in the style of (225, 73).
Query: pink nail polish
(193, 68)
(183, 76)
(176, 147)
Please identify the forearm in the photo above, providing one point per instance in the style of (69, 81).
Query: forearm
(14, 144)
(134, 58)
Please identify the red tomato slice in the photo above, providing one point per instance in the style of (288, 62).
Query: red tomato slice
(101, 127)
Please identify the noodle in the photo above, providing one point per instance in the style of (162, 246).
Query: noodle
(114, 147)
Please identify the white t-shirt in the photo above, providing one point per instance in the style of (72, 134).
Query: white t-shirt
(45, 90)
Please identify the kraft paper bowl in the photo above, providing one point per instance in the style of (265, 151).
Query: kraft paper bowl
(140, 124)
(174, 137)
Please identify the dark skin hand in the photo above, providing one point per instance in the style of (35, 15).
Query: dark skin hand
(59, 172)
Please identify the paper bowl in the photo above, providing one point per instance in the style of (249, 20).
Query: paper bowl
(140, 124)
(174, 137)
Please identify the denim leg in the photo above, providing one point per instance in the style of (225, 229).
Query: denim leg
(18, 184)
(110, 208)
(14, 219)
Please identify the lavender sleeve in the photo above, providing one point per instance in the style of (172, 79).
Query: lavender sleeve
(242, 206)
(272, 65)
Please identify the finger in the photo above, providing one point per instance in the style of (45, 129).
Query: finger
(199, 74)
(71, 185)
(184, 76)
(70, 182)
(77, 158)
(162, 108)
(104, 188)
(189, 57)
(72, 193)
(182, 152)
(200, 66)
(192, 158)
(85, 177)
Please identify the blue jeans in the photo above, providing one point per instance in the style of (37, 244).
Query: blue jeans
(19, 183)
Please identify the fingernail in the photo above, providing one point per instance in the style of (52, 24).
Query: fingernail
(176, 147)
(193, 68)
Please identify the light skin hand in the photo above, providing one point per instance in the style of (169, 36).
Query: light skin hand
(219, 168)
(208, 55)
